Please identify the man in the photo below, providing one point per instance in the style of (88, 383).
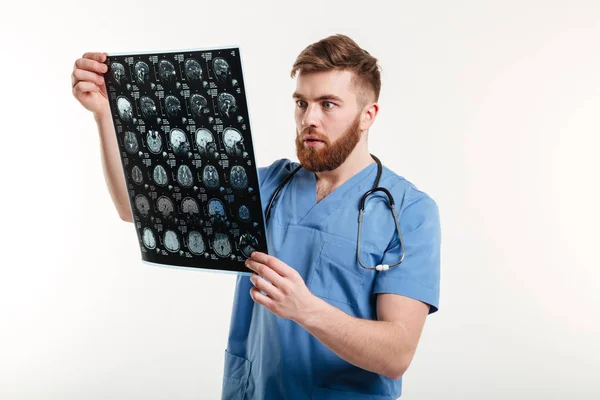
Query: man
(311, 322)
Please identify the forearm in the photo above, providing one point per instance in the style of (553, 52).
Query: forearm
(112, 166)
(376, 346)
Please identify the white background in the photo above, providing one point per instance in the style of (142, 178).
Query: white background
(491, 107)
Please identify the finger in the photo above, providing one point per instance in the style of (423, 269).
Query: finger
(83, 75)
(265, 271)
(265, 286)
(85, 87)
(96, 56)
(91, 65)
(260, 298)
(272, 262)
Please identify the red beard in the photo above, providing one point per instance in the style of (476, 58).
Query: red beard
(331, 155)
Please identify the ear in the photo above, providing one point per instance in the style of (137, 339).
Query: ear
(368, 115)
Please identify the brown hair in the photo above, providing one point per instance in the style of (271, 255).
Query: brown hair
(341, 52)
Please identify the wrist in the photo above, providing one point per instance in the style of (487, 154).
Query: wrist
(310, 315)
(102, 116)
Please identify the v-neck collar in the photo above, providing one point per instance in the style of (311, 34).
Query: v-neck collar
(304, 192)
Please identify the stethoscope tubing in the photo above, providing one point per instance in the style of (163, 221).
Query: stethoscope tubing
(376, 188)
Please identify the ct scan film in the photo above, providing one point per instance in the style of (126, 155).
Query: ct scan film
(181, 121)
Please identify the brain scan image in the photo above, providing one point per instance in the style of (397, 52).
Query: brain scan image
(234, 142)
(142, 204)
(148, 238)
(118, 73)
(130, 142)
(193, 70)
(172, 106)
(142, 72)
(185, 143)
(171, 241)
(124, 109)
(238, 177)
(148, 108)
(197, 103)
(206, 143)
(227, 103)
(244, 213)
(221, 69)
(166, 72)
(221, 245)
(248, 244)
(160, 175)
(154, 142)
(216, 209)
(210, 177)
(165, 206)
(190, 206)
(179, 141)
(137, 175)
(196, 242)
(184, 176)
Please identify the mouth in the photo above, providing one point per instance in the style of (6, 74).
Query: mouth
(311, 142)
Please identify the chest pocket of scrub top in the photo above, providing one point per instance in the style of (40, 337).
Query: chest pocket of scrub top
(337, 276)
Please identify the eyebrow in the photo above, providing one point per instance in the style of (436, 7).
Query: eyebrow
(297, 95)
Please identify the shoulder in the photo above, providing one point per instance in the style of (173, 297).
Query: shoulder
(414, 205)
(275, 172)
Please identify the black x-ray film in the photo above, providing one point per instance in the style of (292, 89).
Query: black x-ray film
(182, 125)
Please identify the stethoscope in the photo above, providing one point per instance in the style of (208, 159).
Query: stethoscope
(376, 188)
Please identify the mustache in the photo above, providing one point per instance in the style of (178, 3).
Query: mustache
(310, 131)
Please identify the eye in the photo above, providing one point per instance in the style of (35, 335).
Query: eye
(329, 105)
(301, 103)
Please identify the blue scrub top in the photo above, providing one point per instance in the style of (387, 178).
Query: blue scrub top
(269, 357)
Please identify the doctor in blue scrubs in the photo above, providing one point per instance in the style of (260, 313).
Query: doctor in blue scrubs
(318, 319)
(311, 322)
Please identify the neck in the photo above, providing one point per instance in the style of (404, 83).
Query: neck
(356, 162)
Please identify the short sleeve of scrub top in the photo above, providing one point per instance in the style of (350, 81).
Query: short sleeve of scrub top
(418, 276)
(275, 172)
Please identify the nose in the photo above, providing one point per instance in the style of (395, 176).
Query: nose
(311, 116)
